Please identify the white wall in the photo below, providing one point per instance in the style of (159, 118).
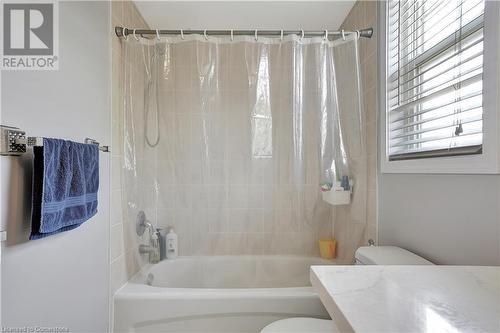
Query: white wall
(61, 280)
(449, 219)
(307, 15)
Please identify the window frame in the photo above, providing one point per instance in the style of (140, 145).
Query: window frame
(486, 163)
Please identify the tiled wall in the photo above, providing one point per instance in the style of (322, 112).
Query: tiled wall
(228, 184)
(246, 197)
(123, 256)
(354, 225)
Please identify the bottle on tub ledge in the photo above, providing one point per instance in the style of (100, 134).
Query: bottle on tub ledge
(171, 247)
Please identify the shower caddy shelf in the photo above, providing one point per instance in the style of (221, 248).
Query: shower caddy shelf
(337, 198)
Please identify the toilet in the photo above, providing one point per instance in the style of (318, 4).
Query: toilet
(365, 255)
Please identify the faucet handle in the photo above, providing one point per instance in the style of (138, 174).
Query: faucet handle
(140, 223)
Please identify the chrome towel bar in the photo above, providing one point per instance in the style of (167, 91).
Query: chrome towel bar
(14, 142)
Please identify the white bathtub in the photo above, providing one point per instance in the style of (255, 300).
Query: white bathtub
(217, 294)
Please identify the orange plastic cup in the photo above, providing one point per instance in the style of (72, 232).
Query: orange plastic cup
(327, 248)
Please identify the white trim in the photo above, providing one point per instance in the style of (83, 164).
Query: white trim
(489, 161)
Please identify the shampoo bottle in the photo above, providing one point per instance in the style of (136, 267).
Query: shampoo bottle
(171, 244)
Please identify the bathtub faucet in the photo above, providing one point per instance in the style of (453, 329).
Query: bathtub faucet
(153, 249)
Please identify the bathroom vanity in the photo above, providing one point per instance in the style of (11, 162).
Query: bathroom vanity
(410, 298)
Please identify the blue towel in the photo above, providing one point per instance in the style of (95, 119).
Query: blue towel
(65, 184)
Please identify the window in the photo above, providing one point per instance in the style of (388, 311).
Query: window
(434, 88)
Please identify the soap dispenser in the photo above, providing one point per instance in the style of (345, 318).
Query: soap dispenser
(171, 244)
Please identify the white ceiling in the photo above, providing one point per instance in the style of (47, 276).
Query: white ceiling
(288, 15)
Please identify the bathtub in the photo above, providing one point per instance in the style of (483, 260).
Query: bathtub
(217, 294)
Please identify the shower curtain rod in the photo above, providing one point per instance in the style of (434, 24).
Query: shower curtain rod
(124, 32)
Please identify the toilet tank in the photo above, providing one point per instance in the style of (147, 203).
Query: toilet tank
(388, 255)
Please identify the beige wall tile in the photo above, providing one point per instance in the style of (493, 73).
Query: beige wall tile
(116, 207)
(117, 12)
(125, 261)
(118, 274)
(355, 225)
(116, 241)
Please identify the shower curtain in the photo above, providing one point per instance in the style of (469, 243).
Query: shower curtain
(228, 140)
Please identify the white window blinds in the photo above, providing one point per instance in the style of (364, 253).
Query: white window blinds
(435, 78)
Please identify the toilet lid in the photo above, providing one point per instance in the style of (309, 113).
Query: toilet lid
(388, 255)
(301, 325)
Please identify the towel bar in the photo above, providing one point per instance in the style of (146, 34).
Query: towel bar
(13, 141)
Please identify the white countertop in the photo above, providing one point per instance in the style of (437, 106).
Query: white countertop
(410, 298)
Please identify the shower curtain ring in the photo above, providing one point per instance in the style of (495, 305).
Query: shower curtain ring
(232, 35)
(135, 36)
(343, 34)
(326, 34)
(158, 34)
(281, 34)
(256, 37)
(302, 34)
(182, 34)
(205, 34)
(358, 34)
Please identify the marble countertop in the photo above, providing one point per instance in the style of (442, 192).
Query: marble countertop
(410, 298)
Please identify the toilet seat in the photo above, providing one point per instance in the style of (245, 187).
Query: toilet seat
(301, 325)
